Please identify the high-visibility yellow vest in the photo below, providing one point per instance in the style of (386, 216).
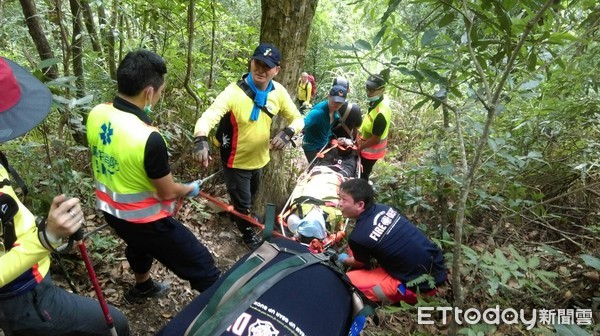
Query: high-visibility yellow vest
(366, 130)
(117, 140)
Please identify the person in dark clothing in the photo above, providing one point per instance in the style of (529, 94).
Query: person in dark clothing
(402, 252)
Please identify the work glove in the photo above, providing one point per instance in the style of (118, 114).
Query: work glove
(342, 257)
(282, 138)
(197, 187)
(201, 151)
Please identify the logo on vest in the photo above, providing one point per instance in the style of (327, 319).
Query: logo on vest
(262, 328)
(383, 222)
(106, 134)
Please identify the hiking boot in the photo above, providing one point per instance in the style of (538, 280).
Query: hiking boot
(251, 241)
(134, 295)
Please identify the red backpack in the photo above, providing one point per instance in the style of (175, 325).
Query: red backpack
(313, 84)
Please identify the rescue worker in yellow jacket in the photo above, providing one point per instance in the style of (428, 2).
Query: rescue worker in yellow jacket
(30, 303)
(375, 126)
(244, 112)
(134, 186)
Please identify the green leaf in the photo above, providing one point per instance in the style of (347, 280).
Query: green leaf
(503, 18)
(419, 104)
(532, 61)
(413, 73)
(570, 330)
(362, 44)
(341, 47)
(434, 77)
(428, 37)
(529, 85)
(48, 62)
(545, 276)
(533, 262)
(81, 101)
(561, 38)
(456, 91)
(379, 35)
(591, 261)
(393, 5)
(446, 19)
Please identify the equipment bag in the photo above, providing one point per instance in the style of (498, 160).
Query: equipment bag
(241, 288)
(313, 84)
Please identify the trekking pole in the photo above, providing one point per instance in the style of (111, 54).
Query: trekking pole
(79, 237)
(200, 182)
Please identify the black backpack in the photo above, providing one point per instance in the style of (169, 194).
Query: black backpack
(245, 284)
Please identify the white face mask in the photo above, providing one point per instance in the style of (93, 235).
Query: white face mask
(372, 99)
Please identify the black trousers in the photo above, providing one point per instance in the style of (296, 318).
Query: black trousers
(242, 185)
(367, 167)
(172, 244)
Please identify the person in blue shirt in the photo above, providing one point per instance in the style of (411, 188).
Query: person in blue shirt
(401, 251)
(350, 115)
(319, 121)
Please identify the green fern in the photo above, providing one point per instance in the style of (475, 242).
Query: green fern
(425, 277)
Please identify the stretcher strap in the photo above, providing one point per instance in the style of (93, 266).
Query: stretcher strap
(269, 222)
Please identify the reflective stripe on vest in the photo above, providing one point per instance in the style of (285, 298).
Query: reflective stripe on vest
(140, 208)
(378, 291)
(118, 140)
(375, 152)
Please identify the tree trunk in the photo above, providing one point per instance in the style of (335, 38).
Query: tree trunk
(286, 24)
(77, 47)
(105, 32)
(109, 37)
(90, 25)
(57, 18)
(38, 35)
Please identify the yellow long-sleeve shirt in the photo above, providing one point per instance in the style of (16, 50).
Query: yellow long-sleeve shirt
(27, 262)
(245, 143)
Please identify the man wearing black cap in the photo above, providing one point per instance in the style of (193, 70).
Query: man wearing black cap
(30, 303)
(319, 121)
(244, 112)
(375, 125)
(350, 115)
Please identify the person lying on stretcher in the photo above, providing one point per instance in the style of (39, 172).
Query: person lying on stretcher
(313, 212)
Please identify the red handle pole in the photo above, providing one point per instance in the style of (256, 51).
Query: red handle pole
(99, 295)
(229, 208)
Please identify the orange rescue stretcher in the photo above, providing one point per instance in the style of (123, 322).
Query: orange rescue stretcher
(310, 214)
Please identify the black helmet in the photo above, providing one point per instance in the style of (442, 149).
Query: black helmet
(375, 82)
